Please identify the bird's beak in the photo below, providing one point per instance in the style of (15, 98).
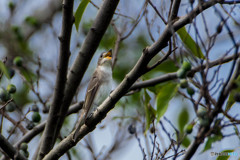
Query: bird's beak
(109, 54)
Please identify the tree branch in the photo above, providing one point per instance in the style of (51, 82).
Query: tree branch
(50, 132)
(172, 76)
(175, 9)
(79, 67)
(9, 149)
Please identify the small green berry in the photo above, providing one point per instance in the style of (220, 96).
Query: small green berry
(152, 130)
(11, 6)
(132, 129)
(11, 107)
(186, 66)
(36, 117)
(24, 153)
(30, 125)
(237, 97)
(190, 91)
(18, 33)
(24, 146)
(11, 72)
(181, 73)
(18, 61)
(219, 28)
(4, 95)
(46, 108)
(11, 88)
(10, 129)
(188, 128)
(203, 122)
(183, 83)
(32, 21)
(202, 112)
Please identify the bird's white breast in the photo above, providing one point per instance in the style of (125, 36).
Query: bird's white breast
(106, 85)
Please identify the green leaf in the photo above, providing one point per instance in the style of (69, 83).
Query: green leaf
(190, 43)
(183, 119)
(168, 66)
(164, 95)
(142, 40)
(4, 69)
(108, 39)
(149, 110)
(21, 97)
(186, 142)
(231, 99)
(79, 12)
(210, 141)
(28, 75)
(225, 155)
(236, 131)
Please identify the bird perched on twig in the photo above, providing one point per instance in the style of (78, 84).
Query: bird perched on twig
(98, 89)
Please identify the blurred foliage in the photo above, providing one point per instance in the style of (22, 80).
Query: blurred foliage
(28, 75)
(133, 102)
(32, 21)
(183, 118)
(186, 142)
(150, 112)
(108, 39)
(4, 70)
(119, 72)
(226, 157)
(22, 43)
(142, 40)
(210, 141)
(167, 66)
(231, 99)
(165, 94)
(21, 96)
(190, 43)
(79, 12)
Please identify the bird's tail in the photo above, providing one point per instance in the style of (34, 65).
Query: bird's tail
(79, 125)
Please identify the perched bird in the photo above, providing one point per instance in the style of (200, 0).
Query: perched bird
(98, 89)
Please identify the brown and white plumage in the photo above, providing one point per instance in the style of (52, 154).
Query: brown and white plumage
(98, 89)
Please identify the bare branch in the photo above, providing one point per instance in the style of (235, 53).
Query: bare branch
(50, 132)
(9, 149)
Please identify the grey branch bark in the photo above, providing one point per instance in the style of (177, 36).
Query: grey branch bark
(10, 150)
(78, 69)
(172, 76)
(87, 51)
(50, 133)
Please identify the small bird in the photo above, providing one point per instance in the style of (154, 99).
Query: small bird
(98, 88)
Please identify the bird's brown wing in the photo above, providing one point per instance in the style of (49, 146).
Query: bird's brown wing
(89, 98)
(91, 92)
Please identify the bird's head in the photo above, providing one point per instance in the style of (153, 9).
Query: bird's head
(105, 58)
